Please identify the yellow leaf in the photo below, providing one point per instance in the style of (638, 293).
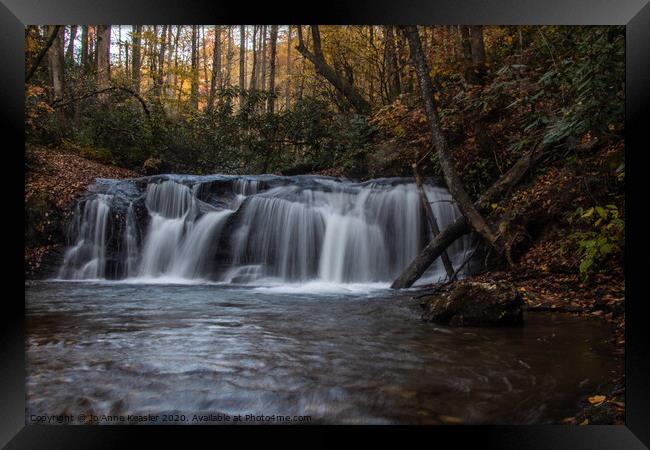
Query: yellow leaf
(597, 399)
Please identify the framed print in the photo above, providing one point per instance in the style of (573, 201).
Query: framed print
(394, 220)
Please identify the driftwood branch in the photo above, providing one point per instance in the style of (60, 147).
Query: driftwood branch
(32, 69)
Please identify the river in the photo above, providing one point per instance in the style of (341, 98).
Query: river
(339, 354)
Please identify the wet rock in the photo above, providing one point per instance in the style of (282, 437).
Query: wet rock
(471, 303)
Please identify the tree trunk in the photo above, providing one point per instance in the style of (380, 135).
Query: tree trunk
(152, 54)
(194, 86)
(103, 60)
(56, 61)
(84, 46)
(136, 51)
(161, 63)
(340, 83)
(242, 64)
(454, 183)
(274, 44)
(253, 81)
(70, 52)
(262, 82)
(229, 58)
(475, 71)
(168, 76)
(433, 224)
(461, 226)
(392, 69)
(478, 51)
(205, 57)
(33, 65)
(287, 92)
(215, 81)
(92, 36)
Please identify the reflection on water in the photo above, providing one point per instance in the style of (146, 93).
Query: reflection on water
(340, 356)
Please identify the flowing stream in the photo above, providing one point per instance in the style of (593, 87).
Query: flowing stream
(268, 295)
(340, 355)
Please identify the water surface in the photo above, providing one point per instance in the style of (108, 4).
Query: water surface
(341, 354)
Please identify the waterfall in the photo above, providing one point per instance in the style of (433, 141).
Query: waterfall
(131, 242)
(256, 229)
(86, 259)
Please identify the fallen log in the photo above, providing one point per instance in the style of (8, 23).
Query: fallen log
(461, 226)
(435, 230)
(481, 225)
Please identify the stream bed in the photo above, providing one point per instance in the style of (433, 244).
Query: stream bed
(339, 354)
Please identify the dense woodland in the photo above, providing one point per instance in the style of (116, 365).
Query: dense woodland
(348, 101)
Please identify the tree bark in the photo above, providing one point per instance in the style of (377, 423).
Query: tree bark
(242, 64)
(287, 92)
(194, 86)
(136, 51)
(390, 59)
(55, 58)
(103, 59)
(478, 51)
(317, 58)
(253, 80)
(54, 33)
(461, 226)
(205, 57)
(161, 62)
(84, 46)
(262, 82)
(168, 76)
(229, 56)
(215, 81)
(454, 183)
(70, 52)
(475, 71)
(433, 224)
(274, 44)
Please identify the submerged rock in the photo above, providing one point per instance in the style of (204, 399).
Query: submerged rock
(471, 303)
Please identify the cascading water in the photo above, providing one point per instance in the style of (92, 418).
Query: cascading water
(255, 229)
(87, 257)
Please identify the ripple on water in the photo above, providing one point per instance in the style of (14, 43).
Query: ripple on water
(343, 357)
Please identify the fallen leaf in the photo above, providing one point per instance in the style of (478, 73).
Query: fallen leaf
(597, 399)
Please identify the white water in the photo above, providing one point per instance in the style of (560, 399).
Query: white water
(86, 258)
(316, 232)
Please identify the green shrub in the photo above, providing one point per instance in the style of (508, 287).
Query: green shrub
(602, 237)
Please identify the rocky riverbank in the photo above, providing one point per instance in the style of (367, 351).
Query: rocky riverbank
(54, 179)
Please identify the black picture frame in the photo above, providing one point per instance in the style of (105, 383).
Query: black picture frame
(634, 14)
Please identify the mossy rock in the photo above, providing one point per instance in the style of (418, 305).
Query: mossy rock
(470, 304)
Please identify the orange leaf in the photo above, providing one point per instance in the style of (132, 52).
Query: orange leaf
(597, 399)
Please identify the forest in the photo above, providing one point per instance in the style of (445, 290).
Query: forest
(342, 101)
(524, 125)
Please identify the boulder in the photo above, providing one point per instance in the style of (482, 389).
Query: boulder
(469, 303)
